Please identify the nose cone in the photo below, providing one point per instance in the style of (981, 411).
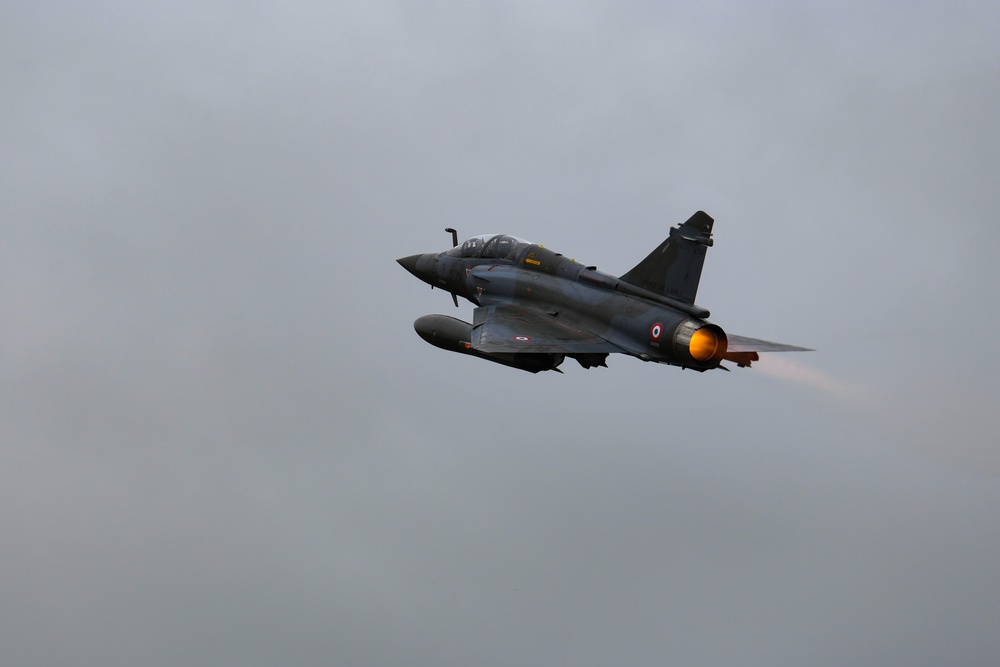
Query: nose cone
(410, 263)
(419, 265)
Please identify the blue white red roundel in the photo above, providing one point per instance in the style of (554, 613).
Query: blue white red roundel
(521, 338)
(656, 331)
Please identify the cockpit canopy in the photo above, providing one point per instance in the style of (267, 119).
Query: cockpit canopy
(490, 246)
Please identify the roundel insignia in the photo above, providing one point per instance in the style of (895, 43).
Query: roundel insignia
(656, 331)
(521, 338)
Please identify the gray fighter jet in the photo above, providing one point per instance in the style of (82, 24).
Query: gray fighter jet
(535, 307)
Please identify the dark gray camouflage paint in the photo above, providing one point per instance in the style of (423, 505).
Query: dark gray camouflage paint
(537, 307)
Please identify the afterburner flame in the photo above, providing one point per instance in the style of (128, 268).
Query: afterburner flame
(704, 344)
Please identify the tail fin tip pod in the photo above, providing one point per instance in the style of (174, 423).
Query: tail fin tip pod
(674, 268)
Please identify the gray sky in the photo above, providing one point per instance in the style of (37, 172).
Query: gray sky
(221, 442)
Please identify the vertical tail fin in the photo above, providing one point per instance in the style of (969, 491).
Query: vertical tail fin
(674, 268)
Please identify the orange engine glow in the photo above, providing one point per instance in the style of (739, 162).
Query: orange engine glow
(704, 344)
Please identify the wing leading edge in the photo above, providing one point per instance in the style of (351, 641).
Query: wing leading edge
(743, 350)
(745, 344)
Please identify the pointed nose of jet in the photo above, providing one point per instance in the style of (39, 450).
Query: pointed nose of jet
(419, 265)
(410, 263)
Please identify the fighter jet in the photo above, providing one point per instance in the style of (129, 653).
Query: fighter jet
(535, 307)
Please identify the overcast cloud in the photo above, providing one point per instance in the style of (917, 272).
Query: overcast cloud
(221, 442)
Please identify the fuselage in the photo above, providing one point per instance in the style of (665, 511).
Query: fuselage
(649, 326)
